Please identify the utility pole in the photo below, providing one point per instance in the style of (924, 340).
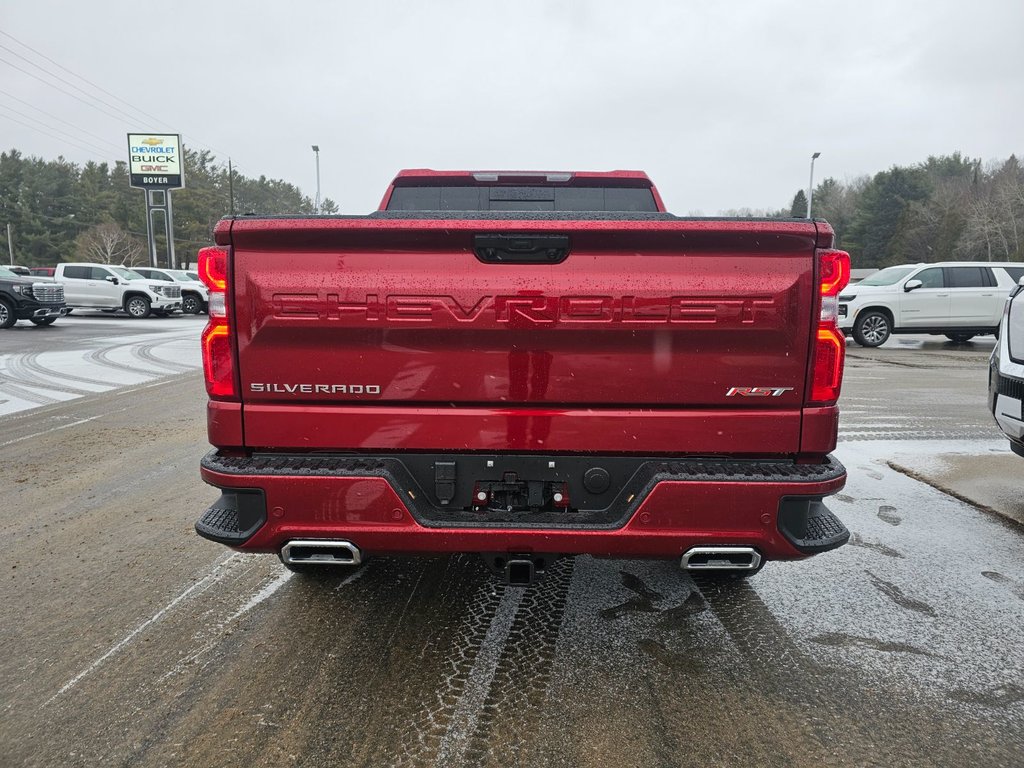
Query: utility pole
(231, 186)
(316, 150)
(810, 188)
(10, 243)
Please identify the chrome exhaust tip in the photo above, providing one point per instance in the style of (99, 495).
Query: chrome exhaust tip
(320, 552)
(721, 559)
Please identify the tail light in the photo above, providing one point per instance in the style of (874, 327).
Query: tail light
(829, 342)
(213, 268)
(218, 352)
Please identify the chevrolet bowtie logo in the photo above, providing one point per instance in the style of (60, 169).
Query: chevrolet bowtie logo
(152, 142)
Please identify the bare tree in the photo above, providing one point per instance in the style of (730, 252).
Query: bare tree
(933, 226)
(751, 213)
(1007, 197)
(107, 243)
(995, 214)
(982, 232)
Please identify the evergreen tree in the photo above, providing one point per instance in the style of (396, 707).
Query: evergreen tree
(837, 204)
(798, 208)
(12, 171)
(933, 225)
(883, 210)
(49, 204)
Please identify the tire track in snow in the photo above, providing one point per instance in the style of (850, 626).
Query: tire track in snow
(102, 356)
(32, 374)
(33, 364)
(9, 387)
(428, 732)
(509, 715)
(145, 353)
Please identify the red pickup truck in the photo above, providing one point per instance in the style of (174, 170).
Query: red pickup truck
(524, 365)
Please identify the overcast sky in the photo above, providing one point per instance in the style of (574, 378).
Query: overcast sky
(722, 103)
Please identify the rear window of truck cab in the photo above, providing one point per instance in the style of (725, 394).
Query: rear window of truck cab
(520, 197)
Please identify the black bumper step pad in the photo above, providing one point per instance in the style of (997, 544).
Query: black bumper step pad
(234, 517)
(721, 470)
(810, 526)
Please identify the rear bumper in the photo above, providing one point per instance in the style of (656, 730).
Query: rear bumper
(774, 507)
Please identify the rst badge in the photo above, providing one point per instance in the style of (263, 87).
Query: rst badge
(757, 391)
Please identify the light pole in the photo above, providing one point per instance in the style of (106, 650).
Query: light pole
(316, 150)
(810, 187)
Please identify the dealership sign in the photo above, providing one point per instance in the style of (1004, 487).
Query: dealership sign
(155, 160)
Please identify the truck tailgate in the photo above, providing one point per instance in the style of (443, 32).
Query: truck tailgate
(363, 333)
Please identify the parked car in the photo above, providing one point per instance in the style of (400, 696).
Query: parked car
(42, 271)
(19, 270)
(194, 295)
(112, 288)
(1006, 372)
(23, 298)
(958, 299)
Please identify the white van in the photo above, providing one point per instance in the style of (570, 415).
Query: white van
(110, 288)
(958, 299)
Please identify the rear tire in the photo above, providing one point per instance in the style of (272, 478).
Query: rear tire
(7, 316)
(872, 329)
(43, 320)
(138, 307)
(959, 338)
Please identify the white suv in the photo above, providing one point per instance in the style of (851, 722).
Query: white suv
(110, 288)
(960, 299)
(1006, 372)
(195, 296)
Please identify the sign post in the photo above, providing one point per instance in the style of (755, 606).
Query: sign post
(156, 165)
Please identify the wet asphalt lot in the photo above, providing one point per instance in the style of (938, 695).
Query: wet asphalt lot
(130, 641)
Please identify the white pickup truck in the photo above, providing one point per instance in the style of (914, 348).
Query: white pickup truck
(112, 288)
